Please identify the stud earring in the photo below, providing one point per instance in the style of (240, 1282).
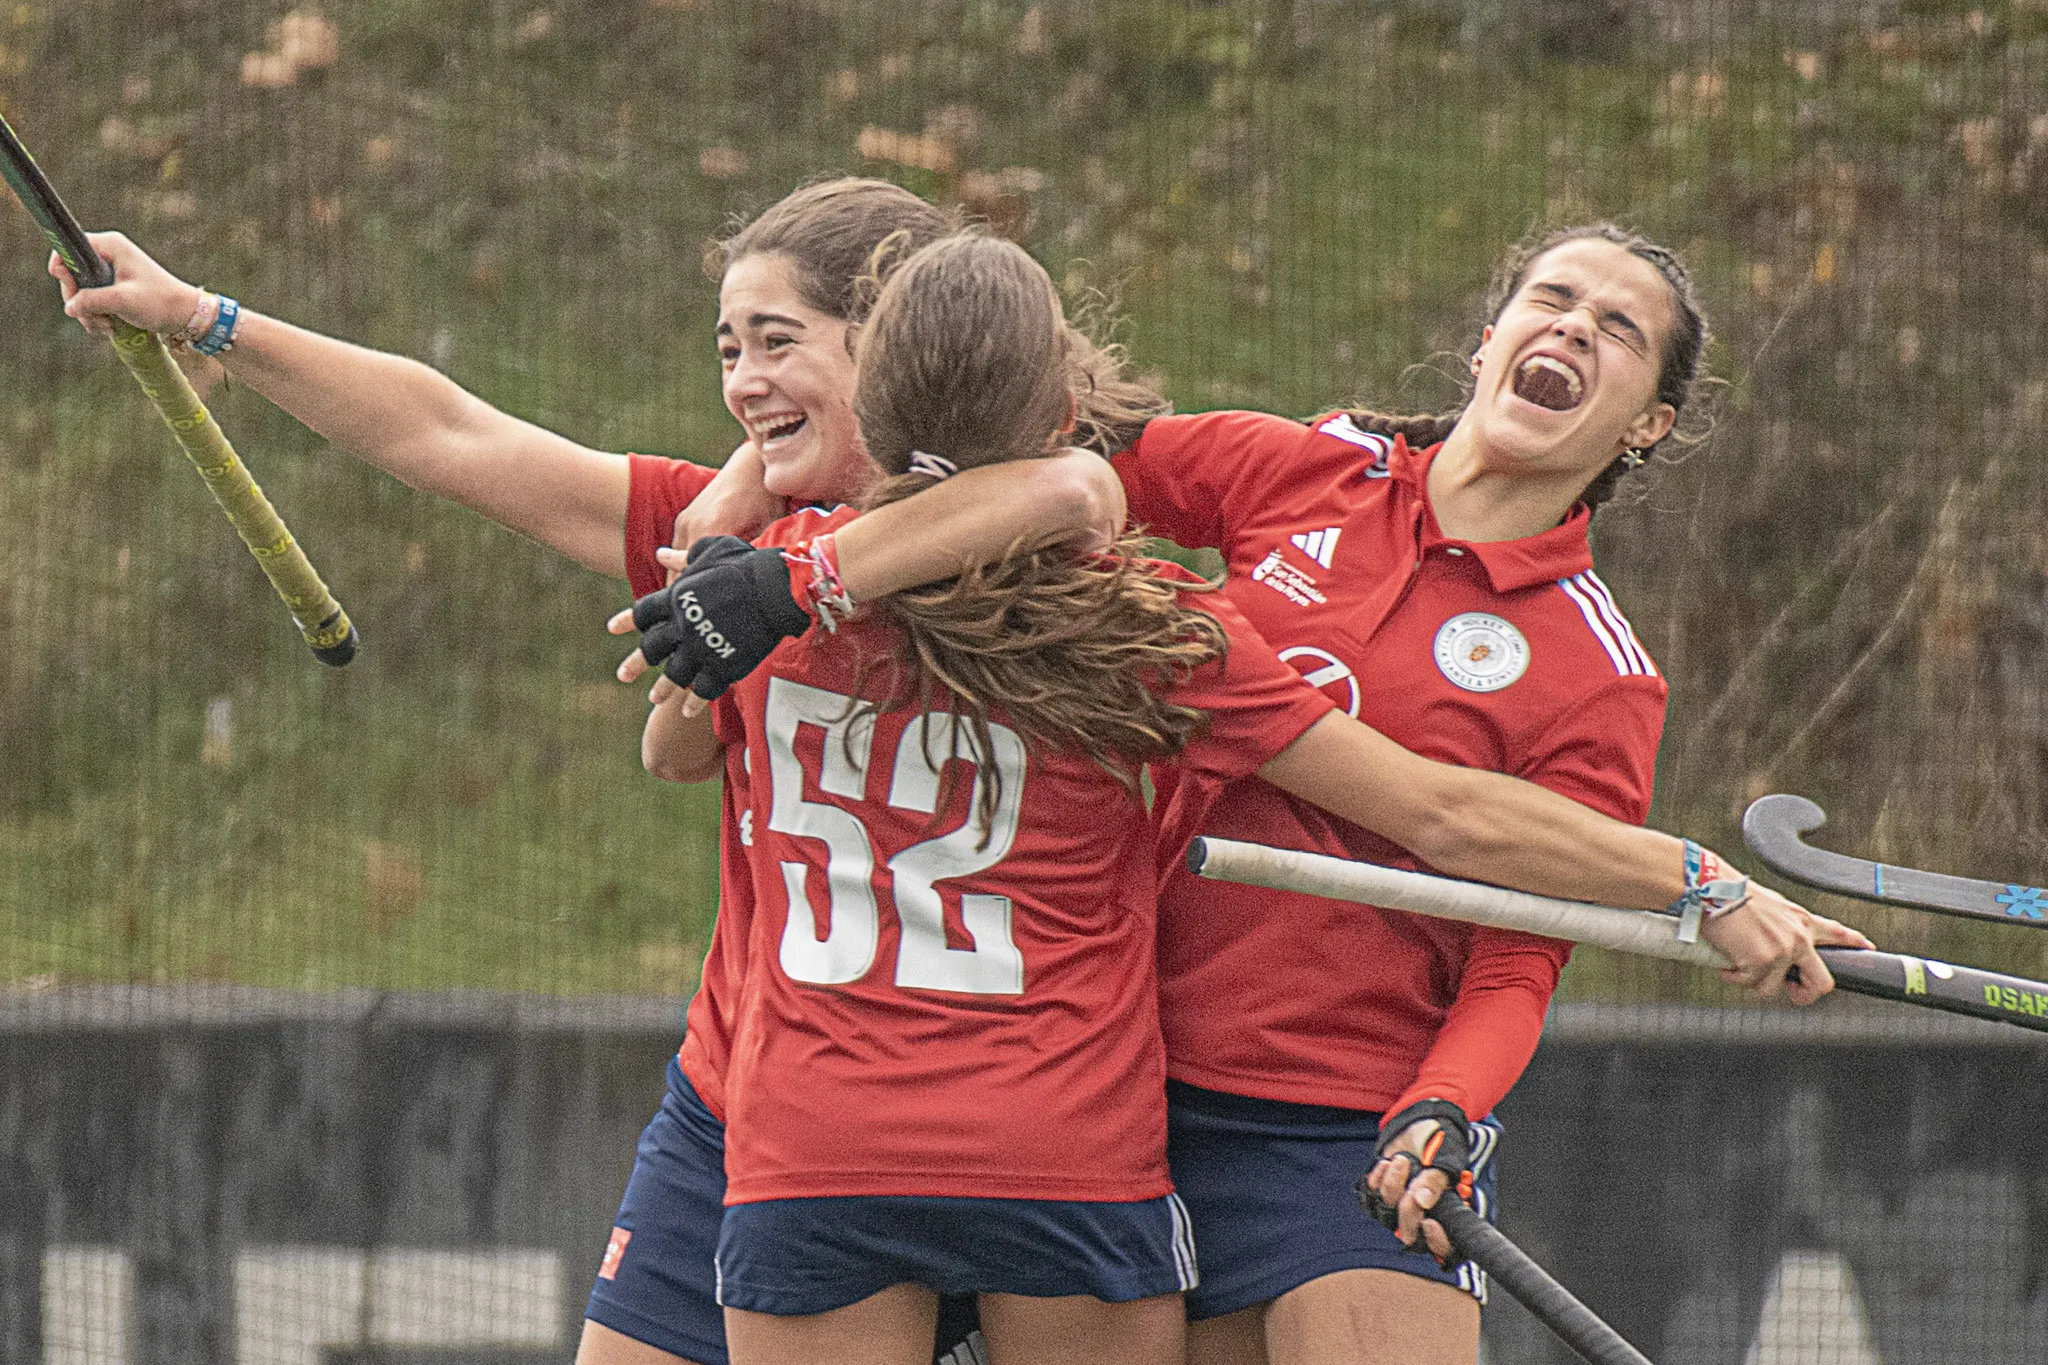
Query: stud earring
(1632, 458)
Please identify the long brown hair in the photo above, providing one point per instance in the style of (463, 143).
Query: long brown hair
(835, 234)
(967, 357)
(843, 237)
(1678, 370)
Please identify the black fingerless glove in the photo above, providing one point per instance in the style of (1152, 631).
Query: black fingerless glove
(722, 617)
(1448, 1149)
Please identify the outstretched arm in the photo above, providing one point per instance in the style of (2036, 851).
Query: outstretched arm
(397, 414)
(1514, 833)
(1501, 829)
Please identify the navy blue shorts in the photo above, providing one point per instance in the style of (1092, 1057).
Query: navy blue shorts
(658, 1282)
(1272, 1188)
(794, 1256)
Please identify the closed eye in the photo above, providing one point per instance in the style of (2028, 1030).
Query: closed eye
(1615, 323)
(1623, 329)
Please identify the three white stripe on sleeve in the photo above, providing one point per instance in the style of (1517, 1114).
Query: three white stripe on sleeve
(1608, 625)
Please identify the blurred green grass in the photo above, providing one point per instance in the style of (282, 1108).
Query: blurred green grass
(1291, 204)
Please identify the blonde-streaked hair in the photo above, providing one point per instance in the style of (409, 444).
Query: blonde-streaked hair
(967, 355)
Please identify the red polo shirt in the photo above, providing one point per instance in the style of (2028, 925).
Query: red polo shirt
(932, 1007)
(659, 490)
(1510, 656)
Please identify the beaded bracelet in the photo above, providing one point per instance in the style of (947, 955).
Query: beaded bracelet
(204, 313)
(220, 338)
(1708, 893)
(828, 598)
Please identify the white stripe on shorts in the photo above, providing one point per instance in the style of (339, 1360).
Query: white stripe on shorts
(972, 1351)
(1183, 1244)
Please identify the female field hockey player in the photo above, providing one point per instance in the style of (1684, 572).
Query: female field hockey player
(1434, 577)
(788, 278)
(919, 1102)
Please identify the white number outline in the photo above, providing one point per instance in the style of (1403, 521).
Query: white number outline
(924, 960)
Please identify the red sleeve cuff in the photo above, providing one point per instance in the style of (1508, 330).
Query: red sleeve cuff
(657, 491)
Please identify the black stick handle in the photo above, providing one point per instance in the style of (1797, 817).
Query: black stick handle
(1556, 1307)
(40, 198)
(1941, 986)
(321, 620)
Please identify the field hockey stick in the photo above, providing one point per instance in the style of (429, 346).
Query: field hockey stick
(1772, 826)
(1513, 1269)
(321, 620)
(1887, 976)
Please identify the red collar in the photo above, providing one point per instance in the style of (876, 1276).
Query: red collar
(1550, 555)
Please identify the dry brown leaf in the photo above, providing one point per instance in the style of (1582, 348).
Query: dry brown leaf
(304, 40)
(723, 163)
(217, 741)
(177, 205)
(117, 134)
(394, 884)
(1031, 35)
(268, 70)
(907, 149)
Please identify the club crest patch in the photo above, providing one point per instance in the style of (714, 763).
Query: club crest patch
(1481, 653)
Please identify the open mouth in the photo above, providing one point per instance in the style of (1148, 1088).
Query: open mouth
(1549, 383)
(780, 429)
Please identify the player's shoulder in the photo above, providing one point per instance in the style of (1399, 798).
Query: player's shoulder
(804, 523)
(1340, 433)
(1584, 617)
(1225, 431)
(665, 476)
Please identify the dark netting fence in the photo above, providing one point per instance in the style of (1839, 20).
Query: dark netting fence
(319, 988)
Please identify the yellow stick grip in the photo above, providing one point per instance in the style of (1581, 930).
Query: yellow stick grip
(321, 620)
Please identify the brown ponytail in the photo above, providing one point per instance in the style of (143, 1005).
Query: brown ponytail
(1420, 431)
(966, 357)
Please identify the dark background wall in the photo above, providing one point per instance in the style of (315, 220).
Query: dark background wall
(430, 1178)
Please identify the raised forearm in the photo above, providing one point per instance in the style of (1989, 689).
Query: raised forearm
(394, 413)
(1476, 824)
(975, 516)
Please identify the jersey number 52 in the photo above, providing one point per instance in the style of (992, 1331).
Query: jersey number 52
(993, 966)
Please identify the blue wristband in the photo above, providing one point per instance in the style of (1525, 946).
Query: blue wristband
(1704, 898)
(221, 336)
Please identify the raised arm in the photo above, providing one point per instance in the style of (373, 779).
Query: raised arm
(396, 414)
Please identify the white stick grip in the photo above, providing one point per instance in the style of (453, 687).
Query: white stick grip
(1642, 932)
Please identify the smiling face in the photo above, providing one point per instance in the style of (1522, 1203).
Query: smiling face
(1567, 374)
(788, 380)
